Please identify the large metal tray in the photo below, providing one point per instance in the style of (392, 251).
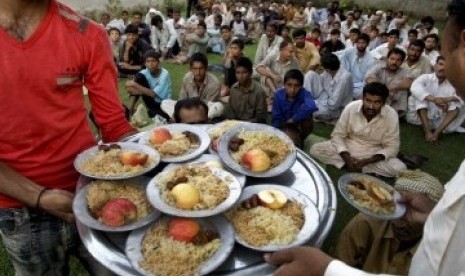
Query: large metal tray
(305, 175)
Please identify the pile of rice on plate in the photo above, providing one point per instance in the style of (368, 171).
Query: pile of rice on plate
(100, 192)
(213, 190)
(164, 256)
(178, 145)
(107, 163)
(276, 149)
(261, 226)
(363, 198)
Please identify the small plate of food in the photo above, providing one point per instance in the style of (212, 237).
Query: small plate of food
(114, 206)
(371, 196)
(180, 246)
(273, 217)
(177, 142)
(212, 161)
(257, 150)
(116, 161)
(193, 191)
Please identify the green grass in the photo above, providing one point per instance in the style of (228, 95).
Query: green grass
(444, 159)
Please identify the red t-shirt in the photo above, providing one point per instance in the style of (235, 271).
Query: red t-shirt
(43, 121)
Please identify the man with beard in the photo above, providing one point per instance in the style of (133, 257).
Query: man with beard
(366, 136)
(396, 78)
(434, 104)
(305, 52)
(268, 44)
(431, 43)
(382, 246)
(357, 61)
(198, 83)
(441, 249)
(416, 63)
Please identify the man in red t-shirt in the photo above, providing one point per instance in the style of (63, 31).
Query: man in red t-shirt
(48, 53)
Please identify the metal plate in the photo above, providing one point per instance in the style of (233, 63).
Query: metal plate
(85, 155)
(155, 198)
(203, 136)
(305, 176)
(219, 223)
(210, 157)
(82, 212)
(223, 150)
(312, 217)
(400, 208)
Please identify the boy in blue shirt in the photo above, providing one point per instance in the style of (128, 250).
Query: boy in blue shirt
(153, 84)
(293, 107)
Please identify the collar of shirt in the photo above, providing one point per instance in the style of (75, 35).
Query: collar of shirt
(278, 59)
(389, 234)
(204, 83)
(248, 89)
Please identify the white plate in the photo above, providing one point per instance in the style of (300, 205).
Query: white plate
(399, 210)
(311, 214)
(155, 198)
(219, 223)
(199, 131)
(225, 155)
(85, 155)
(81, 210)
(205, 158)
(216, 126)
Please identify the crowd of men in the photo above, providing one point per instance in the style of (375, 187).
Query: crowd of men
(360, 70)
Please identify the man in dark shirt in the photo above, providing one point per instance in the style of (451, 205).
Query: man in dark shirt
(132, 52)
(332, 45)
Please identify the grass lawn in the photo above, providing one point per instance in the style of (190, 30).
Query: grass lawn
(444, 159)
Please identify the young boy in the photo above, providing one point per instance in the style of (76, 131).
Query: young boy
(314, 37)
(230, 59)
(293, 107)
(115, 39)
(248, 100)
(152, 83)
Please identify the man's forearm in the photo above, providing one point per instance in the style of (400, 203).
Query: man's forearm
(18, 187)
(144, 90)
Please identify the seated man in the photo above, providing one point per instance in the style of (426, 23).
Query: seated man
(196, 42)
(332, 90)
(239, 26)
(131, 55)
(314, 37)
(395, 77)
(293, 107)
(431, 43)
(357, 61)
(164, 38)
(214, 34)
(382, 246)
(381, 52)
(332, 45)
(268, 44)
(434, 104)
(143, 29)
(191, 111)
(273, 68)
(152, 83)
(305, 52)
(199, 83)
(247, 101)
(234, 52)
(366, 137)
(416, 63)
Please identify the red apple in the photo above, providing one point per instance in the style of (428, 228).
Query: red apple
(272, 199)
(183, 229)
(160, 135)
(118, 212)
(133, 158)
(256, 160)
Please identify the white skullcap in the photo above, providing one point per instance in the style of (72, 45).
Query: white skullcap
(418, 181)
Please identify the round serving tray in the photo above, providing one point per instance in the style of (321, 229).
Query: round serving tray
(305, 175)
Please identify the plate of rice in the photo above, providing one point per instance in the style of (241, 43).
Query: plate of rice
(152, 250)
(100, 205)
(109, 161)
(193, 191)
(177, 142)
(257, 150)
(262, 228)
(213, 161)
(371, 196)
